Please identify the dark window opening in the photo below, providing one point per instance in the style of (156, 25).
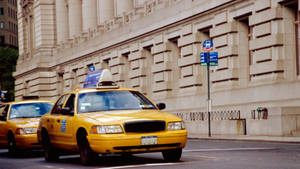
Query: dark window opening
(1, 11)
(2, 39)
(148, 48)
(205, 31)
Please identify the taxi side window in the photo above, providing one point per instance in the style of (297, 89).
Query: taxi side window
(59, 104)
(3, 112)
(70, 103)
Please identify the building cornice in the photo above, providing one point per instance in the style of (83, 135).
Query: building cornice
(186, 16)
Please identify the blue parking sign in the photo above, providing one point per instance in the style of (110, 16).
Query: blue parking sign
(213, 58)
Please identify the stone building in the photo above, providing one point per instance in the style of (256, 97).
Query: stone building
(8, 23)
(154, 46)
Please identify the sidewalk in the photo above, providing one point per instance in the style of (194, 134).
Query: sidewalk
(247, 138)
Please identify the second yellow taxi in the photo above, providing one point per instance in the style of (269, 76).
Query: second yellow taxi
(19, 122)
(108, 119)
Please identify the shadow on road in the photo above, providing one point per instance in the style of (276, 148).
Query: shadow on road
(22, 154)
(113, 160)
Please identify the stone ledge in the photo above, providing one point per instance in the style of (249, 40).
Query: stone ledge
(190, 81)
(137, 73)
(161, 86)
(266, 41)
(267, 67)
(116, 61)
(189, 39)
(223, 29)
(226, 74)
(189, 60)
(136, 55)
(164, 66)
(265, 16)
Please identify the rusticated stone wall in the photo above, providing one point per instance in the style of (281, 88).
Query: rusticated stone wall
(154, 46)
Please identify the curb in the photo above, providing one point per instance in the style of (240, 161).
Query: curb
(250, 138)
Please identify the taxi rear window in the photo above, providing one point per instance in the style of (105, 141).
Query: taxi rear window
(112, 100)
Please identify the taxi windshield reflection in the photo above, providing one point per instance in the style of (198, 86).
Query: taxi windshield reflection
(29, 110)
(112, 100)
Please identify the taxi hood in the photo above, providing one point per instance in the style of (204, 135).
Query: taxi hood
(121, 116)
(26, 122)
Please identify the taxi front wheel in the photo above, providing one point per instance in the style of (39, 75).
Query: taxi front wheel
(49, 151)
(12, 148)
(172, 155)
(87, 156)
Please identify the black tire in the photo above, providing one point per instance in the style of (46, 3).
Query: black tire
(49, 151)
(172, 155)
(87, 156)
(11, 144)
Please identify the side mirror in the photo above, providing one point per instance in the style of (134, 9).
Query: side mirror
(67, 111)
(161, 106)
(2, 118)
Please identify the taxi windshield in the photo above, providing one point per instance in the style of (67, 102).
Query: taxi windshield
(29, 110)
(112, 100)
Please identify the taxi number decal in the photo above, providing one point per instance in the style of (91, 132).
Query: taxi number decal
(63, 125)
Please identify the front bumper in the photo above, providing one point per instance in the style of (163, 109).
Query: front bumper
(131, 143)
(27, 141)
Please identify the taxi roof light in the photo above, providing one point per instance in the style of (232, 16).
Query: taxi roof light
(106, 80)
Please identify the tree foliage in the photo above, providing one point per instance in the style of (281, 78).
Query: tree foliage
(8, 61)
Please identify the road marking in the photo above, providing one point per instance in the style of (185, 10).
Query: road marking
(228, 149)
(200, 156)
(140, 165)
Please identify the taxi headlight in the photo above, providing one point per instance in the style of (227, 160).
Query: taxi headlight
(176, 125)
(26, 131)
(109, 129)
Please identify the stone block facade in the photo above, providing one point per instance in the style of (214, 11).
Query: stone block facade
(154, 46)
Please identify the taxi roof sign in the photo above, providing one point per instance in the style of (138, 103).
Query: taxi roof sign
(92, 79)
(106, 80)
(100, 79)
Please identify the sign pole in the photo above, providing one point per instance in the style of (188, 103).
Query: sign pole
(208, 94)
(208, 59)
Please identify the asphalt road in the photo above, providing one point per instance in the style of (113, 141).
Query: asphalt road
(198, 154)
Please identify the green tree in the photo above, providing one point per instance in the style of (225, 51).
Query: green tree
(8, 61)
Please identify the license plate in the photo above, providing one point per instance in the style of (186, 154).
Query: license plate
(148, 140)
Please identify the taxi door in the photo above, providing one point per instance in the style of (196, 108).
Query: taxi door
(3, 124)
(52, 119)
(66, 132)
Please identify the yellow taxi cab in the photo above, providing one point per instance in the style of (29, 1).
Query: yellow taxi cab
(109, 120)
(19, 122)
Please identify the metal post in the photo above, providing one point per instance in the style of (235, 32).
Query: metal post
(208, 95)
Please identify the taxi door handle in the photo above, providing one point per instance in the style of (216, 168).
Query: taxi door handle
(58, 121)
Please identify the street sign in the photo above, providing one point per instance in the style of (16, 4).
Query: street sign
(208, 59)
(213, 58)
(2, 97)
(92, 68)
(207, 45)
